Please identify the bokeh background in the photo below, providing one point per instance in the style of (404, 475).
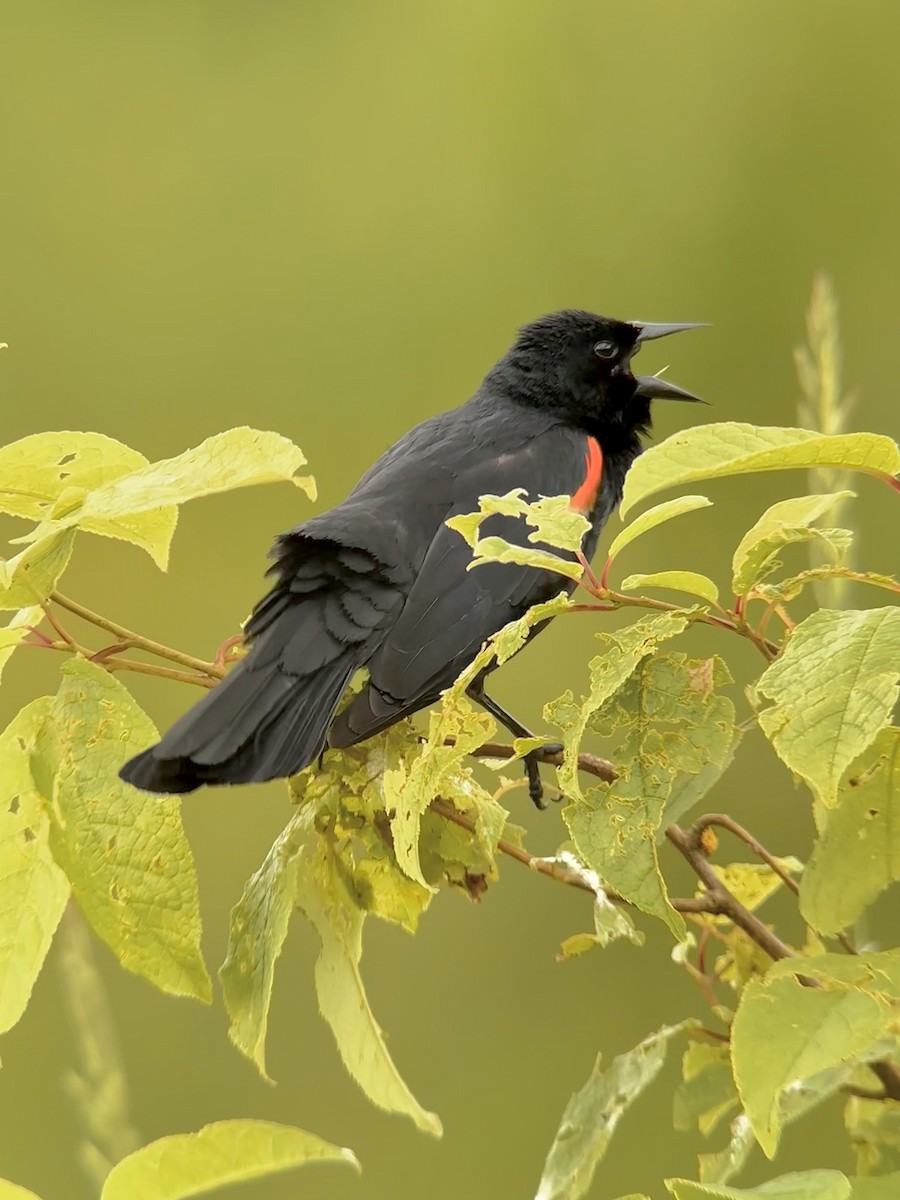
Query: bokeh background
(328, 218)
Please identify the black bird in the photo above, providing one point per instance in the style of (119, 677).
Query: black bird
(381, 582)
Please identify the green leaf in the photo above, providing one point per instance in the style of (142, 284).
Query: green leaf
(126, 857)
(17, 630)
(676, 726)
(805, 1030)
(34, 572)
(857, 855)
(786, 522)
(258, 927)
(611, 921)
(33, 890)
(753, 883)
(12, 1191)
(188, 1164)
(610, 671)
(733, 448)
(720, 1166)
(323, 895)
(592, 1114)
(789, 589)
(707, 1092)
(833, 688)
(651, 518)
(676, 581)
(800, 1185)
(884, 1187)
(141, 507)
(874, 1130)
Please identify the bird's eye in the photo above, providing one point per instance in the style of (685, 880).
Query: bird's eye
(606, 349)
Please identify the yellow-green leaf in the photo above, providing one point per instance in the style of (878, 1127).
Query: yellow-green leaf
(786, 522)
(141, 506)
(676, 581)
(126, 856)
(611, 670)
(34, 572)
(833, 688)
(323, 895)
(654, 516)
(799, 1185)
(733, 448)
(495, 549)
(857, 855)
(676, 726)
(12, 1191)
(14, 633)
(805, 1031)
(258, 927)
(592, 1114)
(753, 883)
(188, 1164)
(874, 1131)
(33, 890)
(37, 470)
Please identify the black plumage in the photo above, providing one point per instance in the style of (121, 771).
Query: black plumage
(381, 582)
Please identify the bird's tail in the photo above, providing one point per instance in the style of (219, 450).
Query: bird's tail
(254, 725)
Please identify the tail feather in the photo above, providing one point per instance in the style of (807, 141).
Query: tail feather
(280, 729)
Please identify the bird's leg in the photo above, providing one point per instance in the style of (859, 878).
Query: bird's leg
(517, 729)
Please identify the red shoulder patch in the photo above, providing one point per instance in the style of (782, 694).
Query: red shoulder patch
(585, 498)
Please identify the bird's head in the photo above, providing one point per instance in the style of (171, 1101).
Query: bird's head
(580, 365)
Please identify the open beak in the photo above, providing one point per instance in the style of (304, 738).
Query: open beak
(650, 386)
(647, 331)
(655, 388)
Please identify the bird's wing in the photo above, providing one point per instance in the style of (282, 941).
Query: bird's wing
(450, 611)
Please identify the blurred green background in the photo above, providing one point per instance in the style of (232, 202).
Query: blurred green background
(328, 219)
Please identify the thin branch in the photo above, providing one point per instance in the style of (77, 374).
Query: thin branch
(135, 641)
(723, 821)
(543, 866)
(66, 637)
(723, 902)
(731, 621)
(129, 664)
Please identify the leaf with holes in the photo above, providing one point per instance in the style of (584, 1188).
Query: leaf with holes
(676, 725)
(330, 906)
(857, 855)
(141, 506)
(127, 858)
(188, 1164)
(592, 1115)
(833, 688)
(732, 448)
(33, 890)
(807, 1031)
(258, 927)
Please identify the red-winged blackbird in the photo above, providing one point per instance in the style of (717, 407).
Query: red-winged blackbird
(381, 582)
